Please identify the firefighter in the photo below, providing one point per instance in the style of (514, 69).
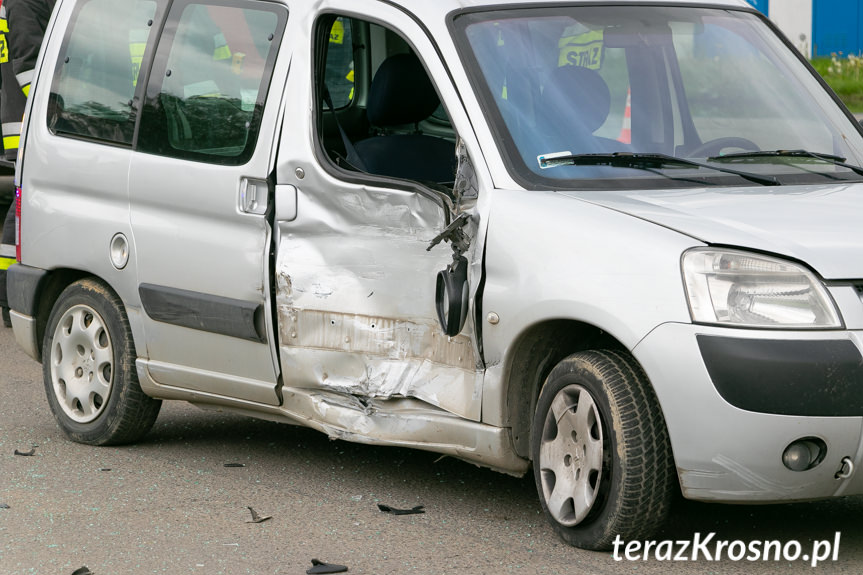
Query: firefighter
(7, 241)
(22, 25)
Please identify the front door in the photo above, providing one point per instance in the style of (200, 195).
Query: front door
(355, 281)
(198, 192)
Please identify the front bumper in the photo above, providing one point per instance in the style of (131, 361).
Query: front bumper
(729, 431)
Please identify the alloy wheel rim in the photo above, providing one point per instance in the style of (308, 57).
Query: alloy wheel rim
(82, 364)
(571, 455)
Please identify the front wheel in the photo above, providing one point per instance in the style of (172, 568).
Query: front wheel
(88, 365)
(601, 454)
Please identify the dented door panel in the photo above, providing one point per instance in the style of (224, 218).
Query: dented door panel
(355, 300)
(354, 280)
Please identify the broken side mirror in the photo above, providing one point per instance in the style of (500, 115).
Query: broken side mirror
(452, 296)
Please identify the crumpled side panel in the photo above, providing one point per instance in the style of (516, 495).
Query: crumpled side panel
(355, 300)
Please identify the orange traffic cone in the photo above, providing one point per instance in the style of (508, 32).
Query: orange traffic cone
(626, 130)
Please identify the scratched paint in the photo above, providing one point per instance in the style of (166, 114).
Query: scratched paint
(395, 339)
(356, 302)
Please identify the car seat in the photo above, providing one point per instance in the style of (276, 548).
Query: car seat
(575, 103)
(402, 94)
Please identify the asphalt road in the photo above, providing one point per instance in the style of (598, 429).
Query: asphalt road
(169, 505)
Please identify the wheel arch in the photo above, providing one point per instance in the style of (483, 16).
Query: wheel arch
(534, 354)
(48, 291)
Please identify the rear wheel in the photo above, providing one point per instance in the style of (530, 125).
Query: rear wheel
(88, 365)
(601, 455)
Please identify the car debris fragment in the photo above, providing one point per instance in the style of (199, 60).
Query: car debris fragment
(257, 518)
(412, 511)
(322, 567)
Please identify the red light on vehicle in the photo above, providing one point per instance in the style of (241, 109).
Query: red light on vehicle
(18, 224)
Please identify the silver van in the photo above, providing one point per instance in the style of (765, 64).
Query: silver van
(618, 243)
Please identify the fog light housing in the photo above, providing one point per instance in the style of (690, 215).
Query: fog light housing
(804, 454)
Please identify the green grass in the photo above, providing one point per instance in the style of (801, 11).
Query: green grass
(846, 82)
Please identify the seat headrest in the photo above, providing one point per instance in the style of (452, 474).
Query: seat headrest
(401, 92)
(578, 92)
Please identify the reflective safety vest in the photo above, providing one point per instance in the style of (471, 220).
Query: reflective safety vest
(581, 48)
(13, 99)
(221, 51)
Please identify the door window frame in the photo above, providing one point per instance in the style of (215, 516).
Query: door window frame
(363, 76)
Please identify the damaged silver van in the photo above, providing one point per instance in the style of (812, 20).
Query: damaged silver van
(618, 243)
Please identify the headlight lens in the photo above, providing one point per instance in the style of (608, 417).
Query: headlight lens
(727, 287)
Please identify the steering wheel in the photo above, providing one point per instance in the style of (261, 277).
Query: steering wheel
(714, 147)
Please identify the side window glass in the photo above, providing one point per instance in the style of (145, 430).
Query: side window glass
(339, 72)
(399, 129)
(210, 81)
(98, 68)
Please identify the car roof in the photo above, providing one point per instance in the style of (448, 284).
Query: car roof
(430, 11)
(474, 3)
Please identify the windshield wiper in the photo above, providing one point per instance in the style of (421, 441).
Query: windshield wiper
(644, 161)
(828, 158)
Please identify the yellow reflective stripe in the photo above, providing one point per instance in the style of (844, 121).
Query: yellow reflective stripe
(11, 142)
(26, 90)
(6, 263)
(221, 53)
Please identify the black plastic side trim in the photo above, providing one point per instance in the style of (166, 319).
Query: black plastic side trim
(205, 312)
(822, 378)
(22, 286)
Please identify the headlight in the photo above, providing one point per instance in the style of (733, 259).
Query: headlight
(749, 290)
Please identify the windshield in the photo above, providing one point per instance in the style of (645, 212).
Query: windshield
(701, 84)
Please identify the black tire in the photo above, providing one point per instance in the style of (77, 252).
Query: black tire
(88, 367)
(603, 466)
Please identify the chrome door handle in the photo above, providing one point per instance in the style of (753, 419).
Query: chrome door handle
(253, 196)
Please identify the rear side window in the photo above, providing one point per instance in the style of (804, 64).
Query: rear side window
(97, 72)
(210, 79)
